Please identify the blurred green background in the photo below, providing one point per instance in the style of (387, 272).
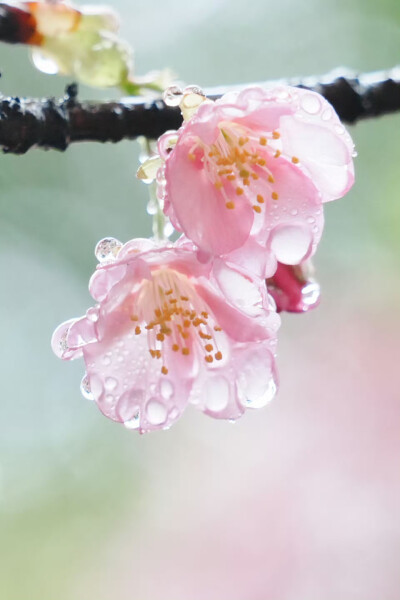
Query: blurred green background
(298, 501)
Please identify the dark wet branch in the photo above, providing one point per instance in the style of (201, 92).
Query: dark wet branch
(55, 124)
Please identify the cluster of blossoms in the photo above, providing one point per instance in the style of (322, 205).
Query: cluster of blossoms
(196, 321)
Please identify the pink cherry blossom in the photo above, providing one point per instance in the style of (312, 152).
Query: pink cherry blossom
(168, 330)
(293, 288)
(255, 167)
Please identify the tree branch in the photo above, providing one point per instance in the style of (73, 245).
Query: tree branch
(54, 124)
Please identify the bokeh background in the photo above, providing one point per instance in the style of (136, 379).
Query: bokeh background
(298, 501)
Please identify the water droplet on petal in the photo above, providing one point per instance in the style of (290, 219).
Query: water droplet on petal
(216, 394)
(86, 389)
(290, 243)
(311, 104)
(134, 422)
(110, 384)
(106, 360)
(294, 211)
(93, 314)
(166, 389)
(107, 249)
(156, 412)
(327, 114)
(173, 95)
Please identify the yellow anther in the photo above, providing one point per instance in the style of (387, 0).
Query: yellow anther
(276, 135)
(175, 347)
(209, 347)
(185, 298)
(186, 323)
(277, 154)
(230, 205)
(137, 330)
(191, 156)
(262, 162)
(239, 191)
(218, 185)
(216, 328)
(231, 177)
(246, 181)
(256, 208)
(271, 179)
(168, 293)
(164, 370)
(209, 358)
(274, 196)
(244, 173)
(263, 141)
(260, 199)
(254, 176)
(243, 141)
(218, 356)
(185, 351)
(295, 160)
(134, 318)
(160, 337)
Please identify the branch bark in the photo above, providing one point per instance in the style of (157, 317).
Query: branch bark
(55, 124)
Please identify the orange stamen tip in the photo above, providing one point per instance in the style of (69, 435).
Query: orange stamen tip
(218, 185)
(239, 191)
(277, 154)
(254, 176)
(260, 199)
(256, 208)
(261, 162)
(231, 177)
(191, 156)
(276, 135)
(175, 347)
(134, 318)
(218, 356)
(246, 181)
(137, 330)
(216, 328)
(185, 351)
(263, 141)
(160, 337)
(274, 196)
(230, 205)
(271, 179)
(209, 347)
(164, 370)
(295, 160)
(209, 358)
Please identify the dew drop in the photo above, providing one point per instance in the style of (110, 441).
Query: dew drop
(339, 129)
(216, 394)
(327, 114)
(311, 104)
(310, 220)
(156, 412)
(110, 384)
(294, 211)
(106, 360)
(173, 95)
(290, 243)
(93, 314)
(86, 389)
(134, 422)
(166, 389)
(107, 249)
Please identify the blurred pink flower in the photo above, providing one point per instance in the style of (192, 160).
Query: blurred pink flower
(293, 288)
(169, 330)
(255, 167)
